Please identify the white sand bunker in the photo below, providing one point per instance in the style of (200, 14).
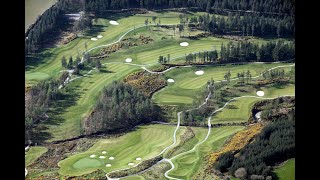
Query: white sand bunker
(138, 158)
(94, 39)
(170, 80)
(131, 164)
(260, 93)
(114, 22)
(104, 152)
(102, 157)
(99, 36)
(184, 44)
(111, 158)
(108, 165)
(92, 156)
(200, 72)
(258, 115)
(128, 60)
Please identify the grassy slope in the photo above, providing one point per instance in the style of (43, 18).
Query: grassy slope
(187, 165)
(187, 83)
(287, 171)
(145, 142)
(33, 154)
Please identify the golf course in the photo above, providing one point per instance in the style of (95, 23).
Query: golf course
(150, 94)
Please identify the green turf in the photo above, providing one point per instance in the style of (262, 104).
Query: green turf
(145, 142)
(286, 171)
(133, 178)
(34, 153)
(187, 83)
(86, 163)
(187, 165)
(36, 76)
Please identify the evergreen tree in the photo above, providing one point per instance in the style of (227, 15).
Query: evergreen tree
(64, 62)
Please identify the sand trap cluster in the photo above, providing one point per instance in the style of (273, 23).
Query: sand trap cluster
(102, 157)
(99, 36)
(260, 93)
(114, 22)
(138, 158)
(128, 60)
(94, 39)
(200, 72)
(184, 44)
(111, 158)
(104, 152)
(131, 164)
(170, 80)
(92, 156)
(108, 165)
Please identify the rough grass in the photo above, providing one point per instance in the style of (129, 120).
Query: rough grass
(286, 171)
(33, 154)
(145, 142)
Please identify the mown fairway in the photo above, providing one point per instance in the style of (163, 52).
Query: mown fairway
(187, 165)
(34, 153)
(187, 83)
(144, 142)
(286, 171)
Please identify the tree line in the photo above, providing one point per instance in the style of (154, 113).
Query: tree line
(246, 25)
(120, 106)
(243, 51)
(39, 99)
(217, 6)
(53, 19)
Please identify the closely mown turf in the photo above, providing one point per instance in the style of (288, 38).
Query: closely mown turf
(145, 142)
(286, 171)
(187, 165)
(34, 153)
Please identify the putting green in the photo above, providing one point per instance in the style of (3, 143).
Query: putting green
(145, 142)
(87, 163)
(34, 153)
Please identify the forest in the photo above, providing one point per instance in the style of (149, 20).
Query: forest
(120, 106)
(275, 144)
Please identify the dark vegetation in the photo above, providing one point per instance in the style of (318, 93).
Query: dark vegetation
(38, 99)
(146, 82)
(247, 25)
(218, 6)
(120, 106)
(275, 144)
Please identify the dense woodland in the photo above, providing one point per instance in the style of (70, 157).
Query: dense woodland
(246, 25)
(263, 6)
(121, 106)
(38, 101)
(275, 144)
